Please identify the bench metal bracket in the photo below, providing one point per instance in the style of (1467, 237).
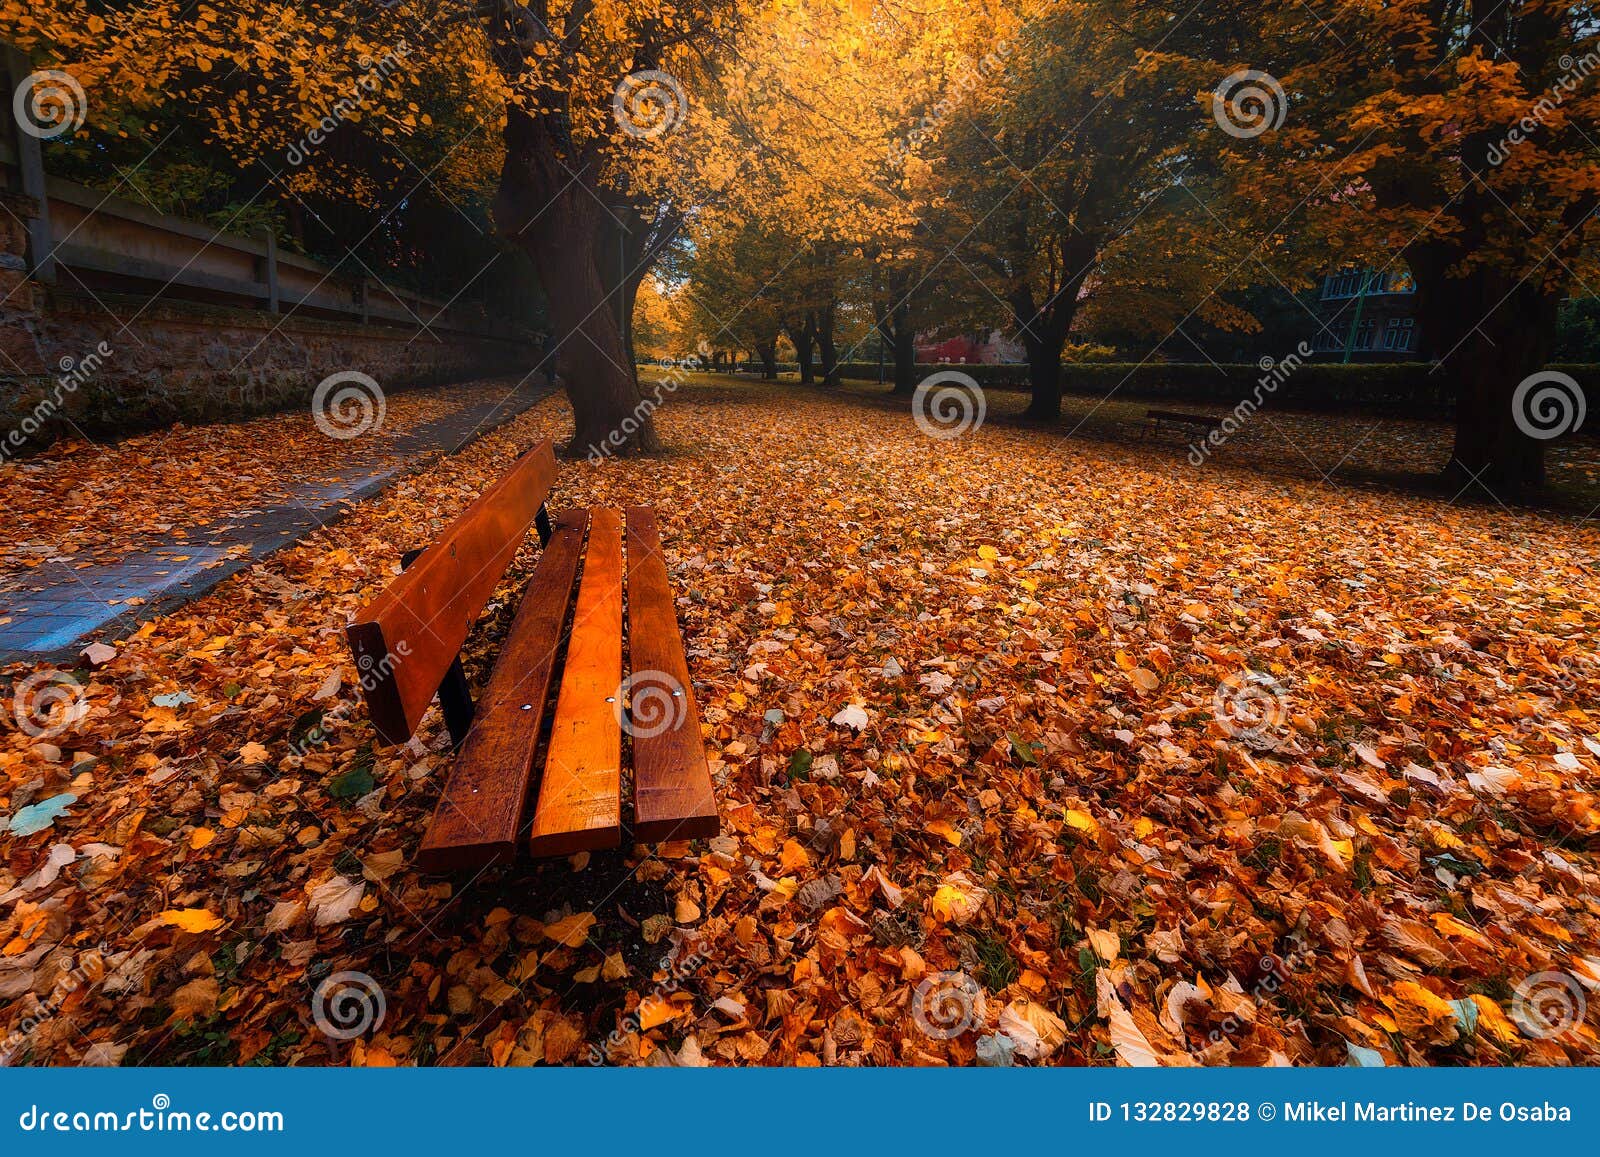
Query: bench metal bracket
(541, 523)
(455, 693)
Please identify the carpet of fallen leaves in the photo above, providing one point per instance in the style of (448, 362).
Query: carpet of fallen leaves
(1029, 750)
(95, 503)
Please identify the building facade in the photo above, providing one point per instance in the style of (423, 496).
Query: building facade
(1367, 315)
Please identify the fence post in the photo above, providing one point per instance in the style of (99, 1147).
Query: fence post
(269, 267)
(30, 170)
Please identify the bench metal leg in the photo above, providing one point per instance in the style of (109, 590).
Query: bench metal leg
(455, 693)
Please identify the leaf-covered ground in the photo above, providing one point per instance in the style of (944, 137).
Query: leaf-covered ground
(1028, 749)
(95, 503)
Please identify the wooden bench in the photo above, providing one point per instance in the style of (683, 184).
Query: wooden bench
(605, 568)
(1155, 419)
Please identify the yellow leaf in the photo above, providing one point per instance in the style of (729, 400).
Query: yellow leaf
(1492, 1021)
(794, 857)
(1450, 926)
(571, 932)
(1107, 945)
(1082, 820)
(192, 919)
(655, 1010)
(200, 837)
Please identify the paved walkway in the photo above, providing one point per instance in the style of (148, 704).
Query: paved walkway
(58, 605)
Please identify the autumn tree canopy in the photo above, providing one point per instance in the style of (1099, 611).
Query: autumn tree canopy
(1009, 164)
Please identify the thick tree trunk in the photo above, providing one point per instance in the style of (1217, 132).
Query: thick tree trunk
(1044, 378)
(557, 224)
(1497, 440)
(1044, 334)
(800, 336)
(1496, 429)
(768, 352)
(826, 347)
(903, 346)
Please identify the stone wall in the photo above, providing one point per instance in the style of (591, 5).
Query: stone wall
(114, 363)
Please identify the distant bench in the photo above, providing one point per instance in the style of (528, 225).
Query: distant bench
(407, 644)
(1156, 420)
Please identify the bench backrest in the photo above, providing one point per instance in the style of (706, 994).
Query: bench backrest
(406, 639)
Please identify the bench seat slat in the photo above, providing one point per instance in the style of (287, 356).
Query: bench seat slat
(673, 797)
(480, 813)
(406, 638)
(580, 804)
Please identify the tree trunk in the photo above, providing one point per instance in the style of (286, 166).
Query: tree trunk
(768, 352)
(557, 224)
(826, 347)
(800, 336)
(1044, 333)
(1496, 442)
(903, 347)
(1495, 436)
(1044, 378)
